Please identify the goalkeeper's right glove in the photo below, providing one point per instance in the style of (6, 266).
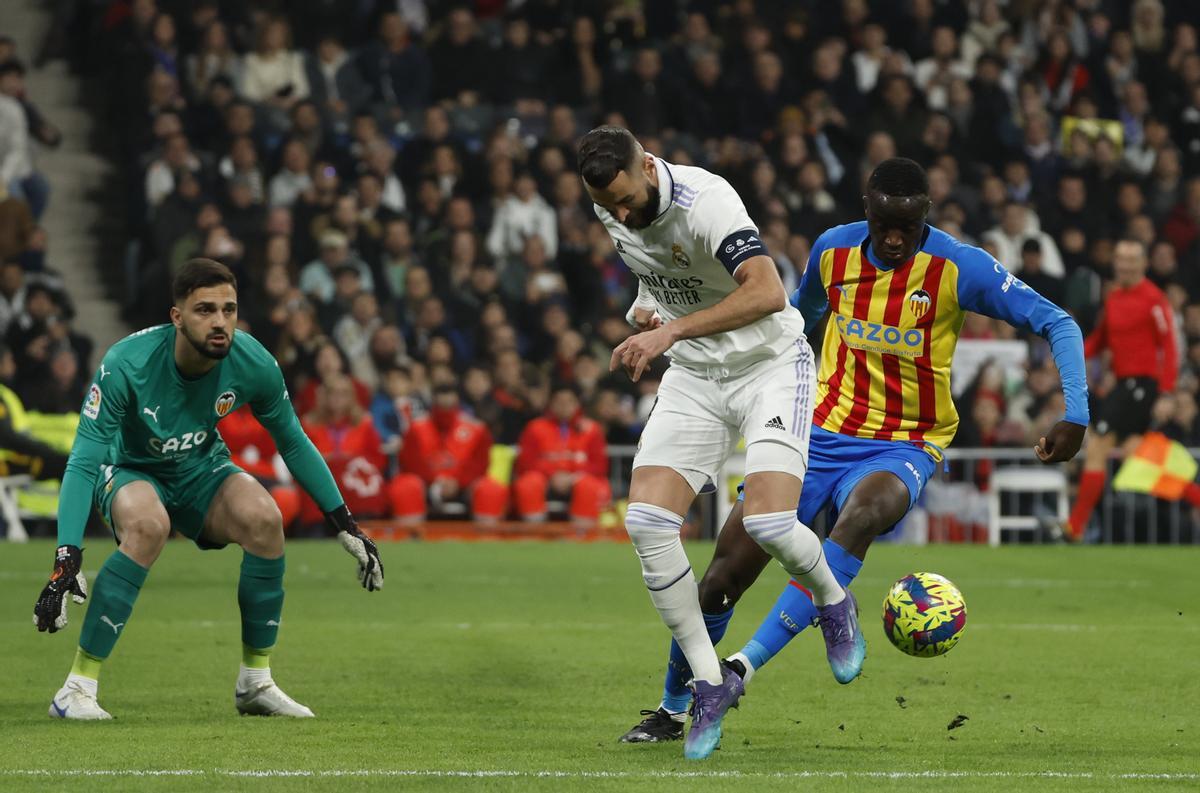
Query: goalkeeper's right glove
(50, 611)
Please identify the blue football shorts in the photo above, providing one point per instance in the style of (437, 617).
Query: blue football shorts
(836, 463)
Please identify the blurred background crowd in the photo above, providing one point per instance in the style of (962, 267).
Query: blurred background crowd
(393, 183)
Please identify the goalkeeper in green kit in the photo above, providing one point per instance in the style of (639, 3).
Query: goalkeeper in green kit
(149, 458)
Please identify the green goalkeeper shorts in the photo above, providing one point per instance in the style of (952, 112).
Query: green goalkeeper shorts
(186, 496)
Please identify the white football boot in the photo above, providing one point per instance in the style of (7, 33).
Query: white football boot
(73, 701)
(264, 698)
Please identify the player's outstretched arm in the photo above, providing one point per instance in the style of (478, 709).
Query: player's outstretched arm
(986, 287)
(358, 545)
(759, 294)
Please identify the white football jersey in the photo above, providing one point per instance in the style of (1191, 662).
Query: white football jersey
(686, 258)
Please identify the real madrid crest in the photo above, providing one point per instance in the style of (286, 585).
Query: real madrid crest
(225, 403)
(679, 257)
(919, 303)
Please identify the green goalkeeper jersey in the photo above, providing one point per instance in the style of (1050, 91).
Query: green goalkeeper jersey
(140, 412)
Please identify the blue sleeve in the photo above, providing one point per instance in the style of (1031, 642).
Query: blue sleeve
(810, 297)
(986, 287)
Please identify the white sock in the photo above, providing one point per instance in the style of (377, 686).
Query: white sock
(252, 677)
(679, 716)
(740, 656)
(668, 575)
(794, 546)
(86, 683)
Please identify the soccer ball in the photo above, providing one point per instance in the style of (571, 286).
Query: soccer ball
(924, 615)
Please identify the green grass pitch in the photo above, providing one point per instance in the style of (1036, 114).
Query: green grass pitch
(515, 666)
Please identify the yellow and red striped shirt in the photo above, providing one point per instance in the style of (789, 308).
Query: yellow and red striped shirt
(885, 360)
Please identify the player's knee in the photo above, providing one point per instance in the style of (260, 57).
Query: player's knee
(864, 522)
(262, 526)
(720, 589)
(144, 535)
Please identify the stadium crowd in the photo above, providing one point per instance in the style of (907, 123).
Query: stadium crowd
(393, 184)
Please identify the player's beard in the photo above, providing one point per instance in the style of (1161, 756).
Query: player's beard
(643, 216)
(204, 348)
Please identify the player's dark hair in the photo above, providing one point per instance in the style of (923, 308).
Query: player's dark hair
(605, 152)
(899, 176)
(199, 273)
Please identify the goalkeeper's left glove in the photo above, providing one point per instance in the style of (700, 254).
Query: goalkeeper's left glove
(358, 545)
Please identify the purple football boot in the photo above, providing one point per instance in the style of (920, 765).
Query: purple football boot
(845, 646)
(709, 704)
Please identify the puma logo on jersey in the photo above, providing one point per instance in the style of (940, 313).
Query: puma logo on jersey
(116, 628)
(152, 413)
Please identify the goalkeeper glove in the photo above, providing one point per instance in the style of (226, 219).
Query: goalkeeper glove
(358, 545)
(50, 611)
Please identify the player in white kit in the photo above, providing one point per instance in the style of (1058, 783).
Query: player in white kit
(740, 366)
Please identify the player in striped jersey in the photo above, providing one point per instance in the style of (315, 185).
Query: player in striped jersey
(897, 290)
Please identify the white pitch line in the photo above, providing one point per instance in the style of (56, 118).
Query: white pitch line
(547, 774)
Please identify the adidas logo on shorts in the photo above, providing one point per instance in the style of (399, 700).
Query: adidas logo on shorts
(775, 424)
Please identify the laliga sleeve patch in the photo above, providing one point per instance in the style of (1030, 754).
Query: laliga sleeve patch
(740, 246)
(91, 405)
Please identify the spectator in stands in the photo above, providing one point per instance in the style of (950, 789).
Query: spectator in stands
(59, 389)
(379, 157)
(241, 162)
(458, 57)
(16, 225)
(318, 277)
(394, 406)
(562, 457)
(396, 68)
(17, 171)
(177, 159)
(344, 434)
(293, 179)
(1017, 225)
(273, 74)
(518, 74)
(39, 329)
(334, 82)
(20, 452)
(214, 58)
(445, 460)
(523, 214)
(328, 363)
(1034, 276)
(353, 334)
(614, 413)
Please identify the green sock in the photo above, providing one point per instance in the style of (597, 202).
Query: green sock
(110, 604)
(86, 665)
(260, 596)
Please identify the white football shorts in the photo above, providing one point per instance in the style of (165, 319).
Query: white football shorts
(700, 414)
